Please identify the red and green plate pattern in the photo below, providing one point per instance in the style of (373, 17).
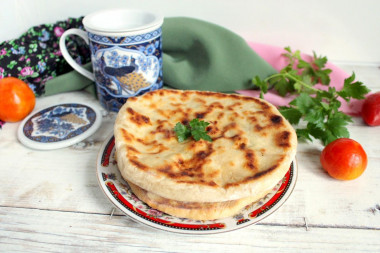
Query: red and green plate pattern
(120, 194)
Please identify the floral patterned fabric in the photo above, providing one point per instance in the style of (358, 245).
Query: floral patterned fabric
(35, 56)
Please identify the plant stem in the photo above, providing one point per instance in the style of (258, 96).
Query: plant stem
(288, 76)
(272, 76)
(301, 82)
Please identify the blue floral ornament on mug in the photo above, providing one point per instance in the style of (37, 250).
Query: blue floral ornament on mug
(126, 54)
(129, 69)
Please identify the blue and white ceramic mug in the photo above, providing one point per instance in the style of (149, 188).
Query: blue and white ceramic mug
(126, 53)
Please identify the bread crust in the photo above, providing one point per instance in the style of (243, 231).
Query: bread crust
(195, 210)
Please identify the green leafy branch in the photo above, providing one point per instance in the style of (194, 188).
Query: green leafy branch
(318, 108)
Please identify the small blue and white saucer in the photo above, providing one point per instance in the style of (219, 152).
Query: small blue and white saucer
(59, 126)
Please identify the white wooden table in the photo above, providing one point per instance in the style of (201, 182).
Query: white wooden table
(51, 201)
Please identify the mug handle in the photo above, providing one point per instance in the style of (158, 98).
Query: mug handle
(67, 56)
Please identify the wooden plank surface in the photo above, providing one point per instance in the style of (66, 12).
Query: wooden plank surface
(47, 231)
(51, 201)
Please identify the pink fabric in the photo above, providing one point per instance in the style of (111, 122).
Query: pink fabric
(274, 56)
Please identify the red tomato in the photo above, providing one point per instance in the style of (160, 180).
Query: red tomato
(17, 100)
(371, 110)
(344, 159)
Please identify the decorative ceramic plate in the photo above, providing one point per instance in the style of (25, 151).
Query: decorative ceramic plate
(120, 194)
(59, 126)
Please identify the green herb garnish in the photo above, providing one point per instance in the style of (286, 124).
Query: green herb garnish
(196, 129)
(319, 109)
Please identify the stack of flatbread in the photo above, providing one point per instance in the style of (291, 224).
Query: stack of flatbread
(252, 148)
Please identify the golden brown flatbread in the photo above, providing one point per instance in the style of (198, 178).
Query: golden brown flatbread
(253, 146)
(194, 210)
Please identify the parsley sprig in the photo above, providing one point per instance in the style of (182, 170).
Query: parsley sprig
(196, 129)
(318, 108)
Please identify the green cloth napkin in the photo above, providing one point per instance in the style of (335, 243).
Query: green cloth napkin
(196, 55)
(70, 81)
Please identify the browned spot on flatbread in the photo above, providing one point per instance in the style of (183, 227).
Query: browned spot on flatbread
(258, 128)
(230, 126)
(217, 133)
(259, 174)
(276, 119)
(191, 170)
(200, 115)
(216, 105)
(147, 142)
(212, 130)
(199, 100)
(185, 121)
(167, 168)
(220, 115)
(126, 135)
(132, 150)
(152, 146)
(137, 118)
(252, 119)
(250, 160)
(251, 178)
(134, 160)
(172, 99)
(262, 173)
(201, 182)
(157, 149)
(232, 107)
(201, 155)
(177, 105)
(166, 132)
(208, 93)
(283, 139)
(185, 96)
(152, 106)
(132, 99)
(263, 105)
(209, 109)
